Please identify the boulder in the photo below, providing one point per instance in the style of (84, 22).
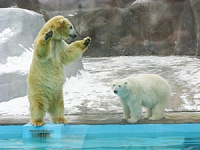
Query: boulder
(12, 85)
(18, 30)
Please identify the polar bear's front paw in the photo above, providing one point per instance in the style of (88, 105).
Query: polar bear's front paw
(37, 123)
(147, 116)
(132, 120)
(155, 118)
(48, 35)
(87, 41)
(60, 120)
(124, 118)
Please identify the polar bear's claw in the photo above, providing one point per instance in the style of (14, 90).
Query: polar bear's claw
(87, 41)
(37, 123)
(60, 120)
(48, 35)
(124, 119)
(132, 120)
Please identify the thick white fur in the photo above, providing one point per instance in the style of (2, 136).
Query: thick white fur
(148, 90)
(46, 76)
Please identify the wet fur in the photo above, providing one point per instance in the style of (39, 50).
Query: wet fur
(46, 76)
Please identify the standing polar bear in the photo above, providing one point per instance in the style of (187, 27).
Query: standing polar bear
(46, 76)
(148, 90)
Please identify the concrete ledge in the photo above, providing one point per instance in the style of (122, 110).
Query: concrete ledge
(50, 130)
(169, 118)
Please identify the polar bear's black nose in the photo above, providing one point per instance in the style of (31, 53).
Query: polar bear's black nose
(115, 91)
(73, 35)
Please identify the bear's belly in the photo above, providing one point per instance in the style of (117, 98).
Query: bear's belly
(148, 103)
(47, 80)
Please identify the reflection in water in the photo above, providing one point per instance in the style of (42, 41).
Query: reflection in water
(139, 141)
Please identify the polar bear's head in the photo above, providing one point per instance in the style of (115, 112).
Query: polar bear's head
(120, 87)
(62, 28)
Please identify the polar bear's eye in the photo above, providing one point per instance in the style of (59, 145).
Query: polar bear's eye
(113, 84)
(70, 27)
(119, 85)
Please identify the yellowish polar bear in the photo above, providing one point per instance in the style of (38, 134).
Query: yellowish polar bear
(148, 90)
(46, 76)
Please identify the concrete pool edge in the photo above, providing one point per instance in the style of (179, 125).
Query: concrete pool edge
(107, 118)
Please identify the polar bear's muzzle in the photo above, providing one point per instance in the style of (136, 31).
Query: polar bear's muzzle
(72, 35)
(115, 91)
(72, 32)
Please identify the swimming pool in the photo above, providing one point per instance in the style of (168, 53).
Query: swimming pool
(137, 137)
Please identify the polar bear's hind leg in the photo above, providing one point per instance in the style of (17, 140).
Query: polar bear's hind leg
(148, 113)
(157, 111)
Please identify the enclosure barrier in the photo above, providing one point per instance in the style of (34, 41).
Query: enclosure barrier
(49, 130)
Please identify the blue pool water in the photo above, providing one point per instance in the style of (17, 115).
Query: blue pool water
(136, 137)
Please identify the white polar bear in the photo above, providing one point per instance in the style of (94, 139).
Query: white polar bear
(148, 90)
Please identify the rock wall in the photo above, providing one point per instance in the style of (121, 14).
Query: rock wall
(128, 27)
(153, 28)
(19, 28)
(196, 10)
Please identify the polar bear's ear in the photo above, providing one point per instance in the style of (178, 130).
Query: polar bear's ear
(62, 21)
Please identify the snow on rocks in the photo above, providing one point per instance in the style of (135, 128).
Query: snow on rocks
(90, 91)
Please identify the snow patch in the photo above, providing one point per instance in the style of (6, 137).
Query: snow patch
(6, 34)
(141, 1)
(19, 64)
(17, 107)
(70, 15)
(90, 92)
(30, 12)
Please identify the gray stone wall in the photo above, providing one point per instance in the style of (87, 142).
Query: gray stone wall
(196, 10)
(156, 27)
